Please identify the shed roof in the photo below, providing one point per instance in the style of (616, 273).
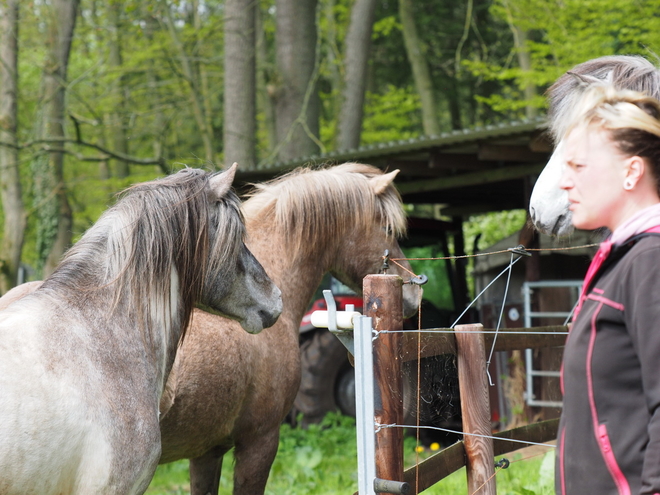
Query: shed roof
(468, 171)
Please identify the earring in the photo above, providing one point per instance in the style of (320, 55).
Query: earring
(628, 184)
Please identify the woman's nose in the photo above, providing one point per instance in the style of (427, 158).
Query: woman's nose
(566, 181)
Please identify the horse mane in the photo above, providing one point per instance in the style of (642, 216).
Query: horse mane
(622, 71)
(155, 228)
(316, 204)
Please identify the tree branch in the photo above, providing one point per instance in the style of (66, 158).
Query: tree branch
(45, 143)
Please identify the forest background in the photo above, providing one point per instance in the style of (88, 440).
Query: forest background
(97, 95)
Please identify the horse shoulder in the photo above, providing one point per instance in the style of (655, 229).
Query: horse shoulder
(208, 387)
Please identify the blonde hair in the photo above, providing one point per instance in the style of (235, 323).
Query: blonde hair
(631, 72)
(631, 119)
(604, 106)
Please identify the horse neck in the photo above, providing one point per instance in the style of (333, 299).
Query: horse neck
(296, 278)
(153, 332)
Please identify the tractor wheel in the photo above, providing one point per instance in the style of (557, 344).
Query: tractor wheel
(326, 372)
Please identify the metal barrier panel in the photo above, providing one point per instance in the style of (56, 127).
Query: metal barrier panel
(364, 405)
(530, 371)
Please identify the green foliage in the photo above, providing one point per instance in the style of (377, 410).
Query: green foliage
(391, 116)
(539, 481)
(90, 195)
(320, 460)
(563, 33)
(492, 227)
(438, 288)
(323, 461)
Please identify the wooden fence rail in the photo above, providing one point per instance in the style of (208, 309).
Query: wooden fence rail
(437, 341)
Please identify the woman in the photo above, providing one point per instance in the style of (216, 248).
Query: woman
(609, 432)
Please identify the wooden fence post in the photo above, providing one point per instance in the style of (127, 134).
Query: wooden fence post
(383, 302)
(475, 409)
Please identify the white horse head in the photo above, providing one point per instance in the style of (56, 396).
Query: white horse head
(548, 205)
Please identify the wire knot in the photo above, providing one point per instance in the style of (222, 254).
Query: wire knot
(520, 249)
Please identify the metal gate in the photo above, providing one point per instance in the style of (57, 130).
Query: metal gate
(529, 315)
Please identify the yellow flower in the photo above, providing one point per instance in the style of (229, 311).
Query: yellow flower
(435, 446)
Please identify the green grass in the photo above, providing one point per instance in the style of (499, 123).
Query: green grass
(323, 461)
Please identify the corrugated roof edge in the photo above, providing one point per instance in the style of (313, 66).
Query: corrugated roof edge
(408, 145)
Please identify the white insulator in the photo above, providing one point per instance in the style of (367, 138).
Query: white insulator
(344, 319)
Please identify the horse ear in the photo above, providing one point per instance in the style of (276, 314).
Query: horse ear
(220, 183)
(380, 182)
(587, 79)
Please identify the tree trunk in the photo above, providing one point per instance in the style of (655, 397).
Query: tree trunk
(358, 46)
(334, 70)
(264, 100)
(10, 185)
(196, 95)
(420, 69)
(240, 79)
(117, 118)
(53, 210)
(454, 103)
(201, 73)
(98, 88)
(297, 103)
(160, 121)
(525, 62)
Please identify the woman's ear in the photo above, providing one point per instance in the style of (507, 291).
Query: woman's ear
(635, 171)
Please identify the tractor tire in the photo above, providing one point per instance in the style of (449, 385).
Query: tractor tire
(326, 371)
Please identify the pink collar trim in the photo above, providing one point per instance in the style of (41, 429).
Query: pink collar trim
(638, 223)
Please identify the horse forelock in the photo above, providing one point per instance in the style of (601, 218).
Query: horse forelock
(312, 204)
(622, 71)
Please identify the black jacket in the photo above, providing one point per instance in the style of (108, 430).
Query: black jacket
(609, 432)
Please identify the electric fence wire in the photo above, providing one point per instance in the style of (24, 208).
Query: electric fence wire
(379, 426)
(499, 321)
(484, 290)
(452, 331)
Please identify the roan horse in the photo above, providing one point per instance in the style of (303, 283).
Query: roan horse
(84, 357)
(230, 389)
(549, 204)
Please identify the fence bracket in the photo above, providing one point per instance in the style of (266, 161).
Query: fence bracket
(418, 280)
